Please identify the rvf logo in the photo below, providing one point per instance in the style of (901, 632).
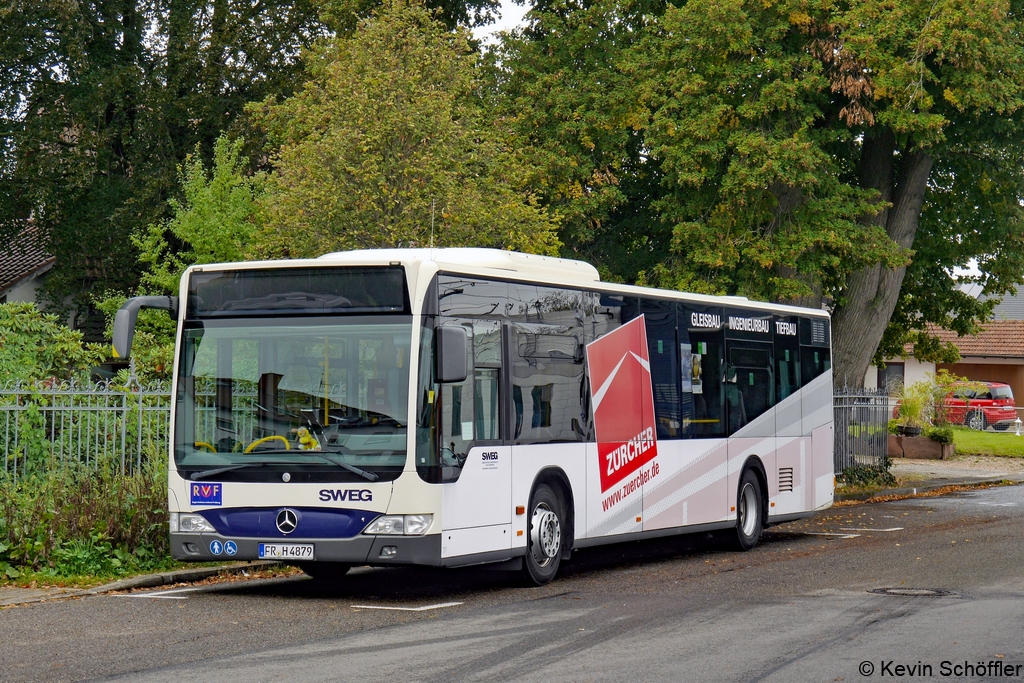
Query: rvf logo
(206, 494)
(620, 386)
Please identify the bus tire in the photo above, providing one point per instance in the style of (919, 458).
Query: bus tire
(749, 512)
(325, 571)
(545, 536)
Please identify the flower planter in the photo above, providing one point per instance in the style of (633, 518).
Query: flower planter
(919, 448)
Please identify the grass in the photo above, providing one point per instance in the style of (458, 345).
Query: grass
(970, 442)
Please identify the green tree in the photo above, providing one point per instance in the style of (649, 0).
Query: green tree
(813, 150)
(390, 143)
(100, 102)
(559, 83)
(215, 223)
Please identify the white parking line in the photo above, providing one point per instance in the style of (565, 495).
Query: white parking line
(831, 533)
(166, 595)
(895, 528)
(409, 609)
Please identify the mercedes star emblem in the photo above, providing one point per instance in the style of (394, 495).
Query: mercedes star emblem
(287, 520)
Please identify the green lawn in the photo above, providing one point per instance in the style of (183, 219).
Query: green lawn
(970, 442)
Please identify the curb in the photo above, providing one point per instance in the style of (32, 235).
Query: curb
(180, 576)
(925, 488)
(149, 581)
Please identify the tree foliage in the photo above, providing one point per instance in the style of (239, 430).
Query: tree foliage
(390, 143)
(560, 84)
(846, 152)
(100, 102)
(215, 223)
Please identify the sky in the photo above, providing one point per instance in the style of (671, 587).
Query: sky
(511, 17)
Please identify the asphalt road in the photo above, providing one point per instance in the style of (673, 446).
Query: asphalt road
(797, 608)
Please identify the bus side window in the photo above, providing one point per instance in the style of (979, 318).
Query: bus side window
(815, 357)
(662, 349)
(702, 326)
(787, 358)
(547, 338)
(457, 407)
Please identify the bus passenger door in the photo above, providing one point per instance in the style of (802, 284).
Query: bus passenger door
(476, 510)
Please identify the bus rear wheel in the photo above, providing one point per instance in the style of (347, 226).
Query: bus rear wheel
(544, 537)
(749, 512)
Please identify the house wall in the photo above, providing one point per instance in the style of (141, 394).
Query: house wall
(1011, 372)
(26, 291)
(913, 371)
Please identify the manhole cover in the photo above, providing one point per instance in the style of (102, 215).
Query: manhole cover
(915, 592)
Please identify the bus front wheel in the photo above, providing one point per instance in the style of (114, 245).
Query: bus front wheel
(749, 512)
(544, 537)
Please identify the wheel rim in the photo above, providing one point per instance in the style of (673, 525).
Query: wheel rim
(545, 535)
(748, 510)
(976, 422)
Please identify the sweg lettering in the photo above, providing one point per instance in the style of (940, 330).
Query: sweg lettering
(489, 455)
(625, 453)
(749, 324)
(708, 320)
(336, 495)
(787, 329)
(630, 487)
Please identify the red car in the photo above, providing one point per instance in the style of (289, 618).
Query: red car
(992, 406)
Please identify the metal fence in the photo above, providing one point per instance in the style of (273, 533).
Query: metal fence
(861, 427)
(118, 426)
(91, 424)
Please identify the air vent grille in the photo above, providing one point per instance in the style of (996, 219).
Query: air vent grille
(785, 479)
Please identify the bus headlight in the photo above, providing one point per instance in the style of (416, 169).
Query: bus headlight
(189, 524)
(399, 525)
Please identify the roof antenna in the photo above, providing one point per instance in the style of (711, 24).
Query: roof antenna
(431, 223)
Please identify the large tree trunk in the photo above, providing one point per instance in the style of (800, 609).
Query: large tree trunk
(872, 293)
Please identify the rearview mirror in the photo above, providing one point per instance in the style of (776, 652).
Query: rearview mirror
(452, 354)
(128, 314)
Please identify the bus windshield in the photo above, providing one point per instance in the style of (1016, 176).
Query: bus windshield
(293, 399)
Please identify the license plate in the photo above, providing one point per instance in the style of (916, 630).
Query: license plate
(286, 551)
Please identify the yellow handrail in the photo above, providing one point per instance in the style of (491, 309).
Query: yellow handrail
(257, 442)
(203, 444)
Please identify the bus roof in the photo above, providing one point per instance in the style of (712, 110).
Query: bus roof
(529, 266)
(496, 263)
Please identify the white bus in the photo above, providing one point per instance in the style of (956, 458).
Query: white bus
(454, 407)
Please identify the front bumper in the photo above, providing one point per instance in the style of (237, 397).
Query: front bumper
(421, 550)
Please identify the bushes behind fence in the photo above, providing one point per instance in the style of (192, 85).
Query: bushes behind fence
(73, 520)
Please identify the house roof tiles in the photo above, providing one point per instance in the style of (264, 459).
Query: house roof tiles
(23, 257)
(998, 339)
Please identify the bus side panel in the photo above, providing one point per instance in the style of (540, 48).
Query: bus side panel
(817, 423)
(477, 509)
(610, 512)
(824, 475)
(792, 460)
(690, 484)
(529, 460)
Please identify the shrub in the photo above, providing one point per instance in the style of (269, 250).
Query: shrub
(36, 346)
(69, 519)
(867, 476)
(943, 435)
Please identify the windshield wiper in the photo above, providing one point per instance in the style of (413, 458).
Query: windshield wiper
(369, 476)
(196, 476)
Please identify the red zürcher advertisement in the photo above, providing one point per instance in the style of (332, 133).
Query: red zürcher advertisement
(620, 386)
